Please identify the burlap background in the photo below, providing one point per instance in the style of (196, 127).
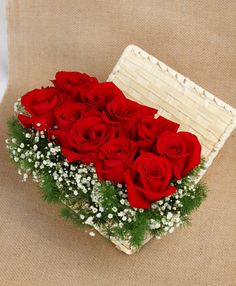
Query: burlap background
(197, 38)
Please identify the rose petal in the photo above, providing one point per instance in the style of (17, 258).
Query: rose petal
(26, 121)
(194, 149)
(136, 199)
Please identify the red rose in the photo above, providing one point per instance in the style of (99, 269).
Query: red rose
(99, 95)
(73, 83)
(40, 104)
(85, 139)
(182, 149)
(148, 180)
(114, 158)
(125, 113)
(70, 112)
(148, 129)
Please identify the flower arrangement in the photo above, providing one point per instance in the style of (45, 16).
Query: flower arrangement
(115, 164)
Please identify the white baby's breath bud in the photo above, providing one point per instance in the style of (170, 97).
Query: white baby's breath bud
(177, 219)
(180, 191)
(92, 233)
(120, 214)
(28, 135)
(122, 201)
(110, 216)
(169, 215)
(16, 107)
(75, 193)
(25, 176)
(170, 223)
(89, 221)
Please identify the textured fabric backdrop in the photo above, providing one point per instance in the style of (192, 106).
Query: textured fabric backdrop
(197, 38)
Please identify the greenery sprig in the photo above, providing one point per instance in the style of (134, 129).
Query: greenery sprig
(87, 201)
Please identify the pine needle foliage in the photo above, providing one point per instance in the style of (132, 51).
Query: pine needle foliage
(106, 207)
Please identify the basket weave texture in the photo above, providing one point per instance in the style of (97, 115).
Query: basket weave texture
(147, 80)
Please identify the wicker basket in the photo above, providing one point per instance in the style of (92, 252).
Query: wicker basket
(145, 79)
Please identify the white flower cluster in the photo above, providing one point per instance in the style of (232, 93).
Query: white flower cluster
(78, 180)
(168, 223)
(127, 214)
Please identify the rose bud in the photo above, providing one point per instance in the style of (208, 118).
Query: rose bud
(114, 158)
(73, 83)
(40, 104)
(99, 95)
(182, 149)
(85, 139)
(148, 180)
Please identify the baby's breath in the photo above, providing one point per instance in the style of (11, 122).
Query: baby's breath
(91, 202)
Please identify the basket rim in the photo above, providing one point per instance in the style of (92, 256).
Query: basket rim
(186, 83)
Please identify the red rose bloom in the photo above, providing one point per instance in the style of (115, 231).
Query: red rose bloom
(114, 158)
(148, 129)
(148, 180)
(68, 113)
(182, 149)
(40, 104)
(85, 139)
(73, 83)
(125, 113)
(99, 95)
